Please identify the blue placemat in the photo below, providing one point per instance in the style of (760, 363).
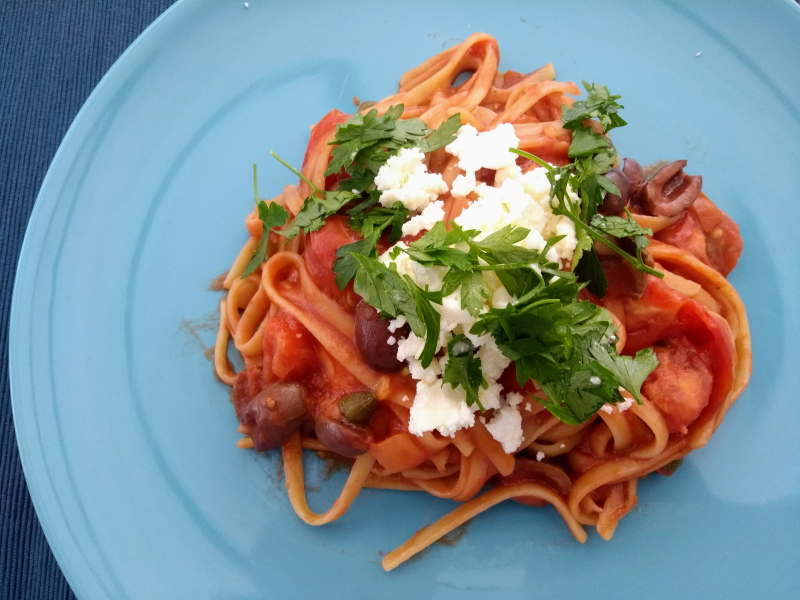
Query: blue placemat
(52, 54)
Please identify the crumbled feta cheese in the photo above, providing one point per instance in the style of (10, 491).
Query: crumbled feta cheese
(431, 214)
(483, 150)
(405, 178)
(516, 199)
(490, 395)
(506, 428)
(563, 445)
(493, 362)
(410, 349)
(606, 409)
(497, 207)
(396, 324)
(512, 204)
(566, 247)
(438, 406)
(625, 405)
(391, 341)
(452, 313)
(595, 380)
(514, 399)
(540, 456)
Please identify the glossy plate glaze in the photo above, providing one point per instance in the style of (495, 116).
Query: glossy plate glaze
(127, 439)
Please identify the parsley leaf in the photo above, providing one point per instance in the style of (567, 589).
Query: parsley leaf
(379, 219)
(463, 368)
(383, 289)
(433, 248)
(473, 289)
(621, 228)
(271, 215)
(599, 104)
(316, 210)
(372, 225)
(590, 271)
(345, 265)
(364, 139)
(442, 136)
(429, 316)
(365, 142)
(586, 142)
(567, 347)
(629, 371)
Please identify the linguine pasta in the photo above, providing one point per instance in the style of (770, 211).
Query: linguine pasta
(293, 326)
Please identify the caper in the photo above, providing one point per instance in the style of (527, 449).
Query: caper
(358, 406)
(672, 466)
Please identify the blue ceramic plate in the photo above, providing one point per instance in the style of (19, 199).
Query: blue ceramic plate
(127, 439)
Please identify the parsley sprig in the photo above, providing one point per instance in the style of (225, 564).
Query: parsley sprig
(593, 157)
(463, 369)
(362, 145)
(271, 215)
(519, 269)
(568, 348)
(384, 289)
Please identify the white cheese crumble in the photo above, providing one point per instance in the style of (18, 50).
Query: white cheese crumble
(540, 456)
(487, 150)
(391, 341)
(524, 201)
(595, 380)
(606, 409)
(625, 405)
(506, 425)
(438, 406)
(430, 215)
(405, 178)
(515, 199)
(396, 324)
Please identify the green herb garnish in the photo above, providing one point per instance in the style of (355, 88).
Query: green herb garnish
(383, 289)
(568, 348)
(594, 156)
(271, 215)
(463, 368)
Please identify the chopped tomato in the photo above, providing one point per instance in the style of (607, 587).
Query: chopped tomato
(680, 387)
(687, 235)
(707, 233)
(694, 348)
(289, 348)
(318, 150)
(320, 254)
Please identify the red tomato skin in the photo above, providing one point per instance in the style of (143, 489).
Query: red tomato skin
(289, 348)
(320, 254)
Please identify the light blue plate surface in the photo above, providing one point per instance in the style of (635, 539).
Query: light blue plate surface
(128, 441)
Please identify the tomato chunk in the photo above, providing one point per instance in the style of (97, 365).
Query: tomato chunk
(289, 348)
(680, 387)
(707, 233)
(320, 254)
(695, 352)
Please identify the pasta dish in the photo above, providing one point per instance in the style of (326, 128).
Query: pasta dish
(468, 293)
